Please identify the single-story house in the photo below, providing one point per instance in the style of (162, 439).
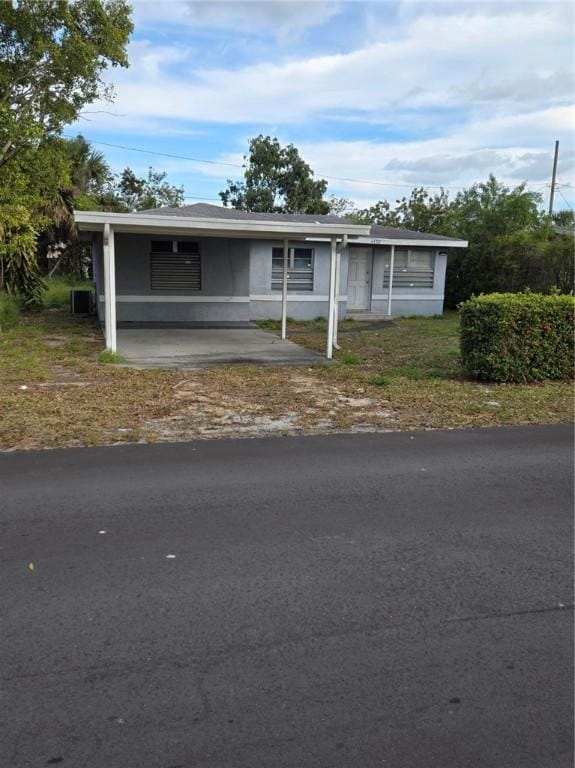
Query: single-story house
(205, 264)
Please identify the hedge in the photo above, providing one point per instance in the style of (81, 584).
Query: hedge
(518, 337)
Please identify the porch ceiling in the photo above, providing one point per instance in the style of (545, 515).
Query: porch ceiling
(94, 221)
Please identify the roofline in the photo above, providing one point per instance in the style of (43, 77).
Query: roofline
(93, 221)
(448, 242)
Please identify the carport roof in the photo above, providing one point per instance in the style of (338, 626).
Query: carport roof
(215, 220)
(220, 222)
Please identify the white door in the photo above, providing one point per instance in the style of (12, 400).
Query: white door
(358, 278)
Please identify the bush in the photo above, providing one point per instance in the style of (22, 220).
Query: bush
(9, 311)
(517, 337)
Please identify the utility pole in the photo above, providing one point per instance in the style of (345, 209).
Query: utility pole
(553, 179)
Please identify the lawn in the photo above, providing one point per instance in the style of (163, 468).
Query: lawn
(56, 389)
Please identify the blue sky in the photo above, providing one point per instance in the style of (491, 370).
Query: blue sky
(378, 97)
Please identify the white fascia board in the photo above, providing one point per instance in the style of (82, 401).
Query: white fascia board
(404, 241)
(138, 222)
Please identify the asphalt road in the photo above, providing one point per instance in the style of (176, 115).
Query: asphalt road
(399, 601)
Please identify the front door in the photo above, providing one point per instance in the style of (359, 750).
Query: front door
(359, 278)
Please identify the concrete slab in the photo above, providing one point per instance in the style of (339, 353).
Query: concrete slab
(202, 347)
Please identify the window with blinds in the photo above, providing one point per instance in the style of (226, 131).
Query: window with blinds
(175, 266)
(413, 268)
(300, 269)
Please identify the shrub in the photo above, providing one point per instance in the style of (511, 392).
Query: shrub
(9, 311)
(517, 337)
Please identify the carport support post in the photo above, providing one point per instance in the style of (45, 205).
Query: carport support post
(284, 289)
(332, 298)
(390, 285)
(110, 287)
(336, 303)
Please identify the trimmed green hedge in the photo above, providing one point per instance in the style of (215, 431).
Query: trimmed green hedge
(518, 337)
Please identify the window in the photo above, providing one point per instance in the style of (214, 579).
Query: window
(175, 266)
(412, 268)
(300, 269)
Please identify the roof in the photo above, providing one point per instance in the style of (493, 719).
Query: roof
(386, 233)
(218, 221)
(215, 221)
(205, 210)
(391, 235)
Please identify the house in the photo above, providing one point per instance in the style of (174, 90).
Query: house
(207, 264)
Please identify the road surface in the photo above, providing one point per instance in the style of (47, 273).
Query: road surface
(399, 601)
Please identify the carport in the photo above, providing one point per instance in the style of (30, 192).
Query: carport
(205, 346)
(103, 227)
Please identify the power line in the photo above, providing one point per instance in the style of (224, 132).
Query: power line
(565, 199)
(237, 165)
(159, 154)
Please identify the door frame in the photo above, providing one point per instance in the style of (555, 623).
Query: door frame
(370, 259)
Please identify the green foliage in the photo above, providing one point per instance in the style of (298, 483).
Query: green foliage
(421, 212)
(56, 293)
(488, 215)
(19, 275)
(276, 180)
(9, 311)
(52, 56)
(89, 170)
(518, 337)
(140, 194)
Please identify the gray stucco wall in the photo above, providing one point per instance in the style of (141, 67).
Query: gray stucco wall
(266, 304)
(407, 301)
(237, 279)
(225, 283)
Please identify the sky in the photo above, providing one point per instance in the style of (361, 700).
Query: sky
(379, 97)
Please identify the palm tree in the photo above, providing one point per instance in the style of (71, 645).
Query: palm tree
(88, 168)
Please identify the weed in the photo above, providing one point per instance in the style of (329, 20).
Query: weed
(351, 358)
(107, 356)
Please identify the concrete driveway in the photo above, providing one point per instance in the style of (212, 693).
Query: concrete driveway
(201, 347)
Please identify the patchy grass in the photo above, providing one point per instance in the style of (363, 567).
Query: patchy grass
(56, 391)
(107, 356)
(9, 311)
(350, 358)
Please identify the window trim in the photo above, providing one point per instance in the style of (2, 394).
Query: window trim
(277, 283)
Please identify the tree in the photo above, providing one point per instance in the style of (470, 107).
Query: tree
(486, 214)
(33, 199)
(565, 218)
(276, 180)
(139, 194)
(341, 206)
(52, 56)
(420, 211)
(89, 170)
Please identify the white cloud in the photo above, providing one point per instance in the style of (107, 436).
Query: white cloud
(493, 84)
(283, 18)
(436, 62)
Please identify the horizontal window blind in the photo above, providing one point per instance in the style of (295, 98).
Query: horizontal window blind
(176, 269)
(411, 269)
(300, 269)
